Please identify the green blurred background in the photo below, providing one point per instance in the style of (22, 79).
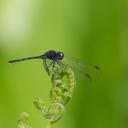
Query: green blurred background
(95, 31)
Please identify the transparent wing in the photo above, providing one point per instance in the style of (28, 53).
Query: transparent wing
(82, 69)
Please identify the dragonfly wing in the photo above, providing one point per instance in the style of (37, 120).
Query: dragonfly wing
(80, 67)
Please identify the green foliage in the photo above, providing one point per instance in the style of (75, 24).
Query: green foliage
(63, 82)
(23, 121)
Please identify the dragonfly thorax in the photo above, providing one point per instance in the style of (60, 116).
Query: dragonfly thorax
(53, 55)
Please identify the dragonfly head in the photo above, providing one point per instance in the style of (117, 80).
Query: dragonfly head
(60, 55)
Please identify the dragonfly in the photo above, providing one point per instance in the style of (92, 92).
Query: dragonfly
(54, 58)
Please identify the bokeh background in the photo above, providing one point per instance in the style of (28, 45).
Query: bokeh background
(95, 31)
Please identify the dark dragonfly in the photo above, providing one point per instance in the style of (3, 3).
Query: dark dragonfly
(55, 58)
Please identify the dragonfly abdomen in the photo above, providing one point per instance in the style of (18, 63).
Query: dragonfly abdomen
(23, 59)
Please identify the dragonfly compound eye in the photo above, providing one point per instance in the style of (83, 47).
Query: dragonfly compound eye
(61, 55)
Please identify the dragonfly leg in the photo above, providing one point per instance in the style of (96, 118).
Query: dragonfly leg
(53, 66)
(46, 66)
(60, 64)
(50, 64)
